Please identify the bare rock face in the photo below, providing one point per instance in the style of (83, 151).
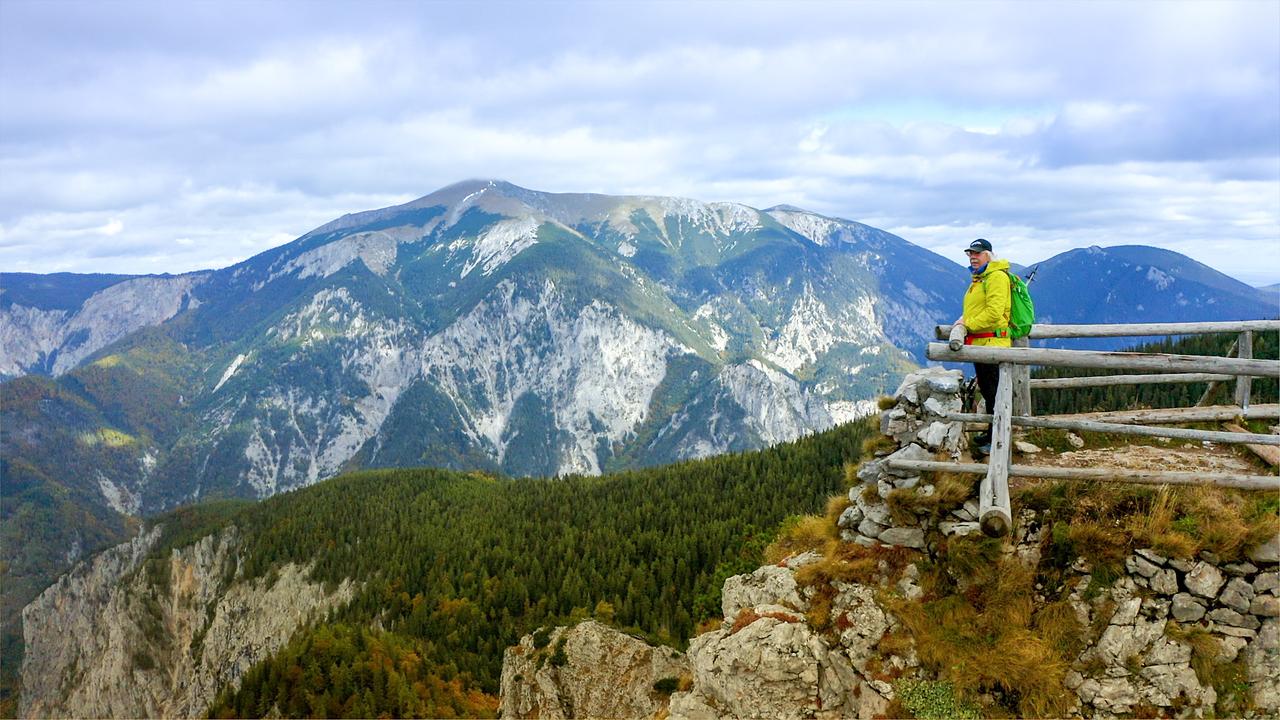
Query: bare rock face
(589, 670)
(115, 638)
(773, 667)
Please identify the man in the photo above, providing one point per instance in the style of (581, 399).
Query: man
(986, 320)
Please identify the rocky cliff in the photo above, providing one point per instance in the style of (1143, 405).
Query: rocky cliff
(902, 608)
(134, 634)
(589, 670)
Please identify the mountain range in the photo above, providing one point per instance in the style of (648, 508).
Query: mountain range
(484, 326)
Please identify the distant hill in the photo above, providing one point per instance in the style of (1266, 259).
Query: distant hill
(1137, 284)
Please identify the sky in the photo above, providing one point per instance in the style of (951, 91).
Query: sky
(175, 136)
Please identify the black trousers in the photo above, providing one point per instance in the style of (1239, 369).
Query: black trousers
(988, 378)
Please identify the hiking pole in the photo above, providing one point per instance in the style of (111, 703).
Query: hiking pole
(1031, 275)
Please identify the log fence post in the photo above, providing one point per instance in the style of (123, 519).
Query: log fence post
(1244, 384)
(994, 515)
(1022, 383)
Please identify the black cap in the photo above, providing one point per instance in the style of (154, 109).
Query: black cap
(978, 246)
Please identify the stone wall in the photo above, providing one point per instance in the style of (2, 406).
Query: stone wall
(916, 424)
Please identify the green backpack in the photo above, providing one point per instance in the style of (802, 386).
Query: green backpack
(1022, 311)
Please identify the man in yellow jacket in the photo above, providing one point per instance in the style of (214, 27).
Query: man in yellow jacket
(986, 319)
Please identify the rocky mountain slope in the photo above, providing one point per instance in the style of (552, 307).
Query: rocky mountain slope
(128, 636)
(483, 326)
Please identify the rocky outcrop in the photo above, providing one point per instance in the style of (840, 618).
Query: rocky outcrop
(588, 670)
(55, 341)
(129, 634)
(766, 660)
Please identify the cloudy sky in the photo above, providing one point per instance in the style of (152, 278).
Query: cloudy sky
(173, 136)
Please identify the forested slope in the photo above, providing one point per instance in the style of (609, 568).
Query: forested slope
(456, 566)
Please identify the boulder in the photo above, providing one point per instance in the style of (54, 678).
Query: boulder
(605, 674)
(769, 669)
(1227, 616)
(1267, 582)
(1138, 565)
(768, 585)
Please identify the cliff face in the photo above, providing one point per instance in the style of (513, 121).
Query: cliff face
(127, 636)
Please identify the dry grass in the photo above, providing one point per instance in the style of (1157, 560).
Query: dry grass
(885, 402)
(989, 636)
(836, 505)
(1204, 648)
(1056, 624)
(749, 615)
(878, 443)
(1105, 522)
(802, 534)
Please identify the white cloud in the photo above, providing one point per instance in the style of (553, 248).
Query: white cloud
(235, 127)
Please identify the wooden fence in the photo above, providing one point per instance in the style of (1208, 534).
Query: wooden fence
(1013, 404)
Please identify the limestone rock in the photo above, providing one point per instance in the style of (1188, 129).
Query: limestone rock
(855, 607)
(1267, 582)
(1165, 582)
(912, 537)
(1265, 606)
(850, 518)
(1186, 608)
(1204, 580)
(1237, 595)
(1152, 556)
(1226, 616)
(91, 620)
(768, 585)
(1240, 569)
(1025, 447)
(1262, 659)
(1267, 552)
(772, 669)
(606, 674)
(1075, 440)
(910, 452)
(870, 528)
(1139, 565)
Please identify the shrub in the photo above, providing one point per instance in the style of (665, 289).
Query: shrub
(666, 685)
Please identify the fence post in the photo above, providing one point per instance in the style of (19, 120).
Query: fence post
(1213, 386)
(1022, 383)
(994, 514)
(1244, 383)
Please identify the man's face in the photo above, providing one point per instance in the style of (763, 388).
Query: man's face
(978, 259)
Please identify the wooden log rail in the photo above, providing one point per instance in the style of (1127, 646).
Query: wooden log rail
(1072, 423)
(1142, 362)
(1151, 477)
(1157, 416)
(1038, 332)
(1109, 380)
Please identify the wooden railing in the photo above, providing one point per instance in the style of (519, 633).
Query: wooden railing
(1013, 405)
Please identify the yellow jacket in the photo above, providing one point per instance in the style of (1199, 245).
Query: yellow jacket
(986, 305)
